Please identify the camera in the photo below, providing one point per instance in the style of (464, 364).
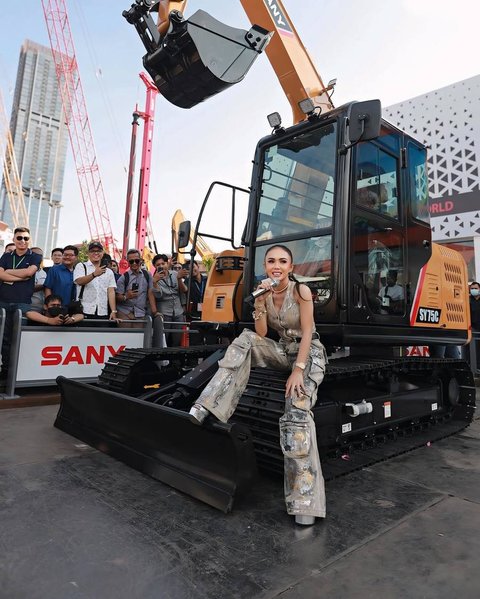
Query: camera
(134, 286)
(55, 311)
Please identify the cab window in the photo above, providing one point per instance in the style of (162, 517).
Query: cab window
(298, 185)
(418, 174)
(376, 180)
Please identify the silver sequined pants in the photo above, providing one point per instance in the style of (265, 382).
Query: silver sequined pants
(303, 479)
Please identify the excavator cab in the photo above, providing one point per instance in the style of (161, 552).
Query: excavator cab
(197, 57)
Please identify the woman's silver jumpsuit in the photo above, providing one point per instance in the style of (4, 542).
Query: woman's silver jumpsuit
(303, 480)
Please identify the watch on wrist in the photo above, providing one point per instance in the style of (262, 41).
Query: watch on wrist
(300, 365)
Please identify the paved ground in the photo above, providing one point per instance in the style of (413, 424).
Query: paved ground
(74, 523)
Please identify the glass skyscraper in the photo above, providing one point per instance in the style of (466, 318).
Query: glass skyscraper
(40, 140)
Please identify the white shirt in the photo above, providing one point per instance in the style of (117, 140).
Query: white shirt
(38, 297)
(95, 296)
(394, 292)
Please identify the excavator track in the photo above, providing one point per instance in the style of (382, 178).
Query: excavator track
(383, 382)
(133, 370)
(262, 403)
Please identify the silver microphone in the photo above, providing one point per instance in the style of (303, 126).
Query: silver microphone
(260, 291)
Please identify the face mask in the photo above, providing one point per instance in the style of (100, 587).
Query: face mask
(474, 292)
(54, 311)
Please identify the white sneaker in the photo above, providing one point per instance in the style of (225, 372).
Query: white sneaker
(198, 414)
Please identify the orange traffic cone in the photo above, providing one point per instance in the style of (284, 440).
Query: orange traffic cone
(185, 341)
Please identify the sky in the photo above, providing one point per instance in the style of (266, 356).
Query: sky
(387, 49)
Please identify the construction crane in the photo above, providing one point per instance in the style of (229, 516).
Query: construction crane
(78, 124)
(143, 226)
(11, 176)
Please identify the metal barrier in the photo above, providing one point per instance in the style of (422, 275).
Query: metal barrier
(162, 327)
(38, 354)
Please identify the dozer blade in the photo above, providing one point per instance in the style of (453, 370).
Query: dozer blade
(201, 56)
(213, 463)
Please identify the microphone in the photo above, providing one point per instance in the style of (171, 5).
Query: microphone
(261, 291)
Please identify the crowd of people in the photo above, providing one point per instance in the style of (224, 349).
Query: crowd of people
(71, 291)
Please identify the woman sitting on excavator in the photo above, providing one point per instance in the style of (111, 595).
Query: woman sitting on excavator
(287, 308)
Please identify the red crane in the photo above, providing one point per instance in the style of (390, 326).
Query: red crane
(78, 124)
(141, 226)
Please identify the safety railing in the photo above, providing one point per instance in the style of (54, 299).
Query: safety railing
(38, 354)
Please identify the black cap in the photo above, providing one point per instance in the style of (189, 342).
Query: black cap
(95, 245)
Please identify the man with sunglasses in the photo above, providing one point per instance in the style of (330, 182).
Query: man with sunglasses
(135, 290)
(17, 273)
(98, 284)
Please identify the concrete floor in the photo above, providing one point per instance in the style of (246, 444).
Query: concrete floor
(74, 523)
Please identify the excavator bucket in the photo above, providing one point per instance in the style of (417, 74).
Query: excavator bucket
(213, 463)
(201, 56)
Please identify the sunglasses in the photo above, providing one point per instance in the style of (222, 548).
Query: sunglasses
(19, 238)
(177, 268)
(134, 261)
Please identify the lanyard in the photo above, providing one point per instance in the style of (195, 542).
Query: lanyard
(200, 286)
(18, 264)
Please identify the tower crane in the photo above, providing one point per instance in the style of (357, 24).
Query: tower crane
(78, 124)
(11, 176)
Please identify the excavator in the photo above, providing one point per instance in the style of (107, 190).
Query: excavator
(347, 192)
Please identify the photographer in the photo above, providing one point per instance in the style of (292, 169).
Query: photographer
(54, 313)
(135, 290)
(98, 284)
(167, 287)
(197, 288)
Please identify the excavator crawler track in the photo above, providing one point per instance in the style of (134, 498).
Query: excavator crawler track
(346, 444)
(132, 370)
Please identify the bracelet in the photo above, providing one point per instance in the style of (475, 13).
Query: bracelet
(256, 315)
(113, 311)
(93, 274)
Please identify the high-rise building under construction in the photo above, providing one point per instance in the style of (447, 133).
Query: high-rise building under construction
(40, 142)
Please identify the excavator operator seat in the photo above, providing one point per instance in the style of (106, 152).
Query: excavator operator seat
(200, 57)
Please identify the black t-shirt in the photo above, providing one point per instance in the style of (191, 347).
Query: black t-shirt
(19, 292)
(197, 289)
(475, 313)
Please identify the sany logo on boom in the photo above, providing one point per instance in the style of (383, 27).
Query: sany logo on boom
(278, 16)
(53, 355)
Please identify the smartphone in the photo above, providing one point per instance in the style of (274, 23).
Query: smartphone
(134, 286)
